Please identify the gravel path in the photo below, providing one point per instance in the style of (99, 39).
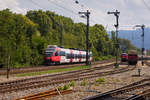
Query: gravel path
(111, 82)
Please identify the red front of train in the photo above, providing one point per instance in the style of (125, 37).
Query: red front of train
(132, 57)
(124, 57)
(51, 55)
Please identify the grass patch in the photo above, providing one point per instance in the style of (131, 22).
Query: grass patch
(72, 83)
(60, 88)
(66, 87)
(84, 82)
(52, 71)
(100, 80)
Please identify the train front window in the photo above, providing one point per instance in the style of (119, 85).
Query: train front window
(50, 49)
(49, 54)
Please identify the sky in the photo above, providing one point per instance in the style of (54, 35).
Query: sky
(132, 12)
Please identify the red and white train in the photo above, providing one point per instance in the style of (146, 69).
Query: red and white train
(57, 55)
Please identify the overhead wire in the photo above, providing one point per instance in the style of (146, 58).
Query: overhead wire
(72, 10)
(62, 7)
(148, 8)
(37, 4)
(66, 9)
(84, 8)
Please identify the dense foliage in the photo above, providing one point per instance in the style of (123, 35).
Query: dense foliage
(24, 38)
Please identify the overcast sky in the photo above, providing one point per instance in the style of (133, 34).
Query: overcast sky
(132, 12)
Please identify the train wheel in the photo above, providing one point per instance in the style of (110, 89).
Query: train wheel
(129, 63)
(135, 62)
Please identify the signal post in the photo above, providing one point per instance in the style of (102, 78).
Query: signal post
(116, 13)
(87, 35)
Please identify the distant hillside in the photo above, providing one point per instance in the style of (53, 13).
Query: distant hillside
(135, 37)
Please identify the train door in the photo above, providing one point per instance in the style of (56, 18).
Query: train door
(63, 57)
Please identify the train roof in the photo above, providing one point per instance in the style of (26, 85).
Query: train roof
(55, 46)
(52, 46)
(132, 52)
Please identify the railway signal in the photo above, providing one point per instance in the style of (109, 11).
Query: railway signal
(86, 14)
(116, 13)
(143, 49)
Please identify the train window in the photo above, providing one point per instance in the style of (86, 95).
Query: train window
(79, 55)
(62, 53)
(72, 55)
(49, 54)
(90, 55)
(75, 56)
(68, 56)
(50, 49)
(56, 54)
(84, 56)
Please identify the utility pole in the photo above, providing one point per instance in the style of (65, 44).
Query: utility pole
(142, 49)
(87, 35)
(116, 13)
(8, 66)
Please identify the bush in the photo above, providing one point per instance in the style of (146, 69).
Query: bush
(110, 56)
(84, 83)
(60, 88)
(100, 80)
(96, 84)
(66, 87)
(98, 58)
(72, 83)
(105, 58)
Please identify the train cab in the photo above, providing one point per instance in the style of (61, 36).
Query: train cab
(124, 57)
(132, 57)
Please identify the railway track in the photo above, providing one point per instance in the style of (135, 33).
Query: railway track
(135, 91)
(147, 63)
(59, 78)
(46, 94)
(144, 95)
(53, 75)
(3, 71)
